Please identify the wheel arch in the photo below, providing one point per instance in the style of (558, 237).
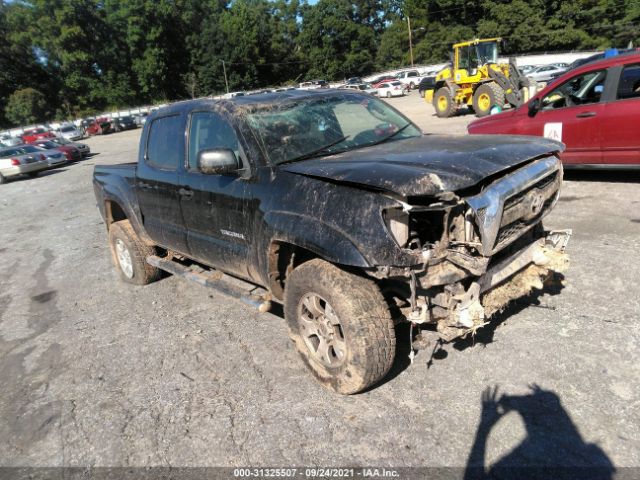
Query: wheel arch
(116, 210)
(312, 239)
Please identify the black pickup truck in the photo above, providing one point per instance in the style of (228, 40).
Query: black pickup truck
(337, 206)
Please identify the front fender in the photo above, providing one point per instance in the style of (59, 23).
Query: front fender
(316, 236)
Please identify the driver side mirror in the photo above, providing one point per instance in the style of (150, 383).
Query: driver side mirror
(218, 161)
(534, 106)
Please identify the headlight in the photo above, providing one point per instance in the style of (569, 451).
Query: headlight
(397, 222)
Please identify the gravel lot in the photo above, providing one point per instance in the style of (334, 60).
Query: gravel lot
(95, 372)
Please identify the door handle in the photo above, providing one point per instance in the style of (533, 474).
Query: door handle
(186, 192)
(586, 115)
(144, 185)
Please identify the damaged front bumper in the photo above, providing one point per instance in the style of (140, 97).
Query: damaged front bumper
(461, 308)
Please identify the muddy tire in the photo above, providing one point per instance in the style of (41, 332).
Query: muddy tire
(486, 96)
(340, 325)
(443, 102)
(129, 254)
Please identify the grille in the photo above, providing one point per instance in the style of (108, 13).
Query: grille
(541, 184)
(513, 230)
(510, 232)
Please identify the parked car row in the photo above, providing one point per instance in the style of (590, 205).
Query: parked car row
(41, 154)
(71, 132)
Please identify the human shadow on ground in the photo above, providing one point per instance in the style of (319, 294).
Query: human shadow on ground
(553, 447)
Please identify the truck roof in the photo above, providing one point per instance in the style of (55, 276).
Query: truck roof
(247, 100)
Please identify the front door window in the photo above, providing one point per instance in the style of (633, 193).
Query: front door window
(584, 89)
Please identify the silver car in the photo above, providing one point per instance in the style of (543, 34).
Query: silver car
(13, 161)
(545, 73)
(83, 147)
(54, 157)
(70, 132)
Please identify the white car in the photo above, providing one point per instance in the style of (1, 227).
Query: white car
(70, 132)
(361, 87)
(7, 140)
(410, 78)
(13, 162)
(391, 89)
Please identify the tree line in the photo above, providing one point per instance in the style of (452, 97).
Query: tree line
(64, 58)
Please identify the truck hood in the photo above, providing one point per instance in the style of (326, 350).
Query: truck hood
(427, 165)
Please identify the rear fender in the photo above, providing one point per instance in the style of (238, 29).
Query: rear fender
(120, 193)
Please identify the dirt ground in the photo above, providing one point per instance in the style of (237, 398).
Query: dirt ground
(95, 372)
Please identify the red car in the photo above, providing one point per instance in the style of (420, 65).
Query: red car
(33, 134)
(594, 109)
(71, 152)
(385, 79)
(99, 126)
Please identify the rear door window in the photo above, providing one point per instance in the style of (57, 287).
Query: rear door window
(629, 85)
(165, 145)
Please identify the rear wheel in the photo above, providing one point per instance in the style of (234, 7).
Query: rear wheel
(486, 97)
(443, 102)
(129, 254)
(341, 326)
(3, 179)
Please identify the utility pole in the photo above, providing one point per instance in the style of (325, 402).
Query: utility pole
(410, 40)
(224, 70)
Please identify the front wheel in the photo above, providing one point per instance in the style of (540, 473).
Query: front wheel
(443, 103)
(486, 97)
(341, 326)
(129, 254)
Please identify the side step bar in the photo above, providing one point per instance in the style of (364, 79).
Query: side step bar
(218, 281)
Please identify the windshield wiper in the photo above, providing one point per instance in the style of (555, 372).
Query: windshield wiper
(388, 137)
(316, 152)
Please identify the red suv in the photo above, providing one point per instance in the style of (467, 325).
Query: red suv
(593, 109)
(99, 126)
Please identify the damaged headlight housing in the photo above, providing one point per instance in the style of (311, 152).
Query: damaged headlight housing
(397, 222)
(416, 228)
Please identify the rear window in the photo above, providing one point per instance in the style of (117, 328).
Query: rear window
(29, 149)
(629, 86)
(8, 153)
(164, 145)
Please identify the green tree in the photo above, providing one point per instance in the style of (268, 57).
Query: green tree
(26, 106)
(336, 45)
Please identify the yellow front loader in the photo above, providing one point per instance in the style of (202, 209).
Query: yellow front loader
(477, 80)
